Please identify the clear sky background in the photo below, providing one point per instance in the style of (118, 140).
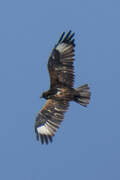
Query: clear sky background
(87, 145)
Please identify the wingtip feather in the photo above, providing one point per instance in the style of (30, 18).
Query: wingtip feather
(67, 38)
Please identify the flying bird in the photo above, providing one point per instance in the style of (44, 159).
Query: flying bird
(61, 91)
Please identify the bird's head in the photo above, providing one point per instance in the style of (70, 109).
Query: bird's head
(48, 94)
(44, 95)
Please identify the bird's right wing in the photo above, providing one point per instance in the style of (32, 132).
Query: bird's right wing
(49, 119)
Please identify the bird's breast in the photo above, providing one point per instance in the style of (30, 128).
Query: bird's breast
(63, 93)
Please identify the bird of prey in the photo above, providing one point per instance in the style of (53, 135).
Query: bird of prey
(61, 91)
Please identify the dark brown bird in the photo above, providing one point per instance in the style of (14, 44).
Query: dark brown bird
(61, 92)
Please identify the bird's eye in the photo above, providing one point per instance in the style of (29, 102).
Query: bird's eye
(53, 57)
(48, 96)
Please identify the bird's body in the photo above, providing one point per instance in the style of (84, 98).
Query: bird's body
(61, 92)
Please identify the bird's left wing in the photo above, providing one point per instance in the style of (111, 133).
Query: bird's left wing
(60, 63)
(49, 119)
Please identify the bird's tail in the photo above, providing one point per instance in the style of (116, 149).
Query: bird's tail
(82, 95)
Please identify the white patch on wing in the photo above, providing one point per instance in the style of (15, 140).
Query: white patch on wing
(59, 110)
(61, 47)
(43, 130)
(58, 93)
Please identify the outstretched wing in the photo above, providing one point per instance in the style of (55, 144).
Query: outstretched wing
(49, 119)
(60, 63)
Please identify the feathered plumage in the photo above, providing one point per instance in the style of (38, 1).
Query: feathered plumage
(61, 92)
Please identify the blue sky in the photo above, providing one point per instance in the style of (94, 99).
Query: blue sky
(87, 145)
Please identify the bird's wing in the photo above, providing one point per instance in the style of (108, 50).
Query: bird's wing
(60, 63)
(49, 119)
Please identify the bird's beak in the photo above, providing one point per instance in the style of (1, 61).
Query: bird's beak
(41, 96)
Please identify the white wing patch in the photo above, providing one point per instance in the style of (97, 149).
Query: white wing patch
(43, 130)
(62, 47)
(58, 93)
